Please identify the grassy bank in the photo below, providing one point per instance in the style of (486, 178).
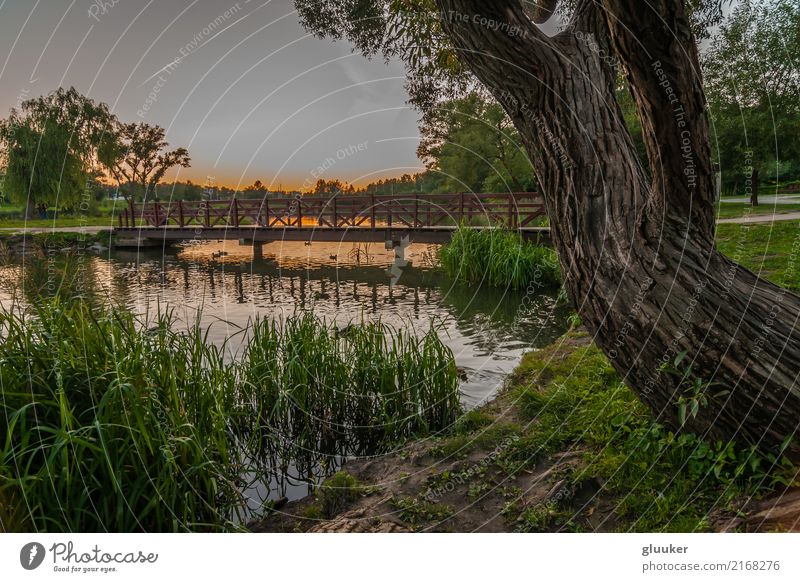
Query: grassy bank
(499, 258)
(41, 244)
(567, 447)
(111, 423)
(771, 250)
(739, 209)
(60, 222)
(100, 214)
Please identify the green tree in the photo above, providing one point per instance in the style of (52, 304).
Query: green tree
(752, 79)
(473, 144)
(405, 184)
(256, 190)
(413, 31)
(137, 158)
(331, 187)
(635, 240)
(50, 149)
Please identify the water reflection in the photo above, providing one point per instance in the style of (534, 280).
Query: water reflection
(487, 329)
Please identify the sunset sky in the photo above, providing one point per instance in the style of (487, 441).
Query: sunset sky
(240, 84)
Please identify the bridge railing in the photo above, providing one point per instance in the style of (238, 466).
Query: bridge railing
(512, 209)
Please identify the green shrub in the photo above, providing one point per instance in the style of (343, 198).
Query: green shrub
(337, 492)
(663, 481)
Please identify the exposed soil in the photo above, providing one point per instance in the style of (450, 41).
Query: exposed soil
(456, 484)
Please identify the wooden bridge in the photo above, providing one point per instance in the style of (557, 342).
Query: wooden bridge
(425, 218)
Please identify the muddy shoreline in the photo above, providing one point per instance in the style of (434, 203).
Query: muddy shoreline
(475, 480)
(17, 244)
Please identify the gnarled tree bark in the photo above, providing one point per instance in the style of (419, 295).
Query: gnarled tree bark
(636, 247)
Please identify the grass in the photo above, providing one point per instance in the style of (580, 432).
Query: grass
(770, 250)
(72, 221)
(56, 240)
(739, 209)
(566, 447)
(111, 423)
(415, 511)
(660, 481)
(334, 494)
(107, 427)
(499, 257)
(13, 216)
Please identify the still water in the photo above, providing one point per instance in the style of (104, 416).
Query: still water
(227, 285)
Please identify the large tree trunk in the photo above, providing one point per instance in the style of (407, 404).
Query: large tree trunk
(637, 250)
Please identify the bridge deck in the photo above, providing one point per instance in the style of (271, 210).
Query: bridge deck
(432, 235)
(429, 218)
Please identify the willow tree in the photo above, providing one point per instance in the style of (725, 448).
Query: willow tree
(50, 148)
(635, 240)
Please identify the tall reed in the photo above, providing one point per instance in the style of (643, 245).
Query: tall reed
(107, 426)
(347, 391)
(499, 257)
(111, 423)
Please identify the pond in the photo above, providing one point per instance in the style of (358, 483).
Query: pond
(227, 285)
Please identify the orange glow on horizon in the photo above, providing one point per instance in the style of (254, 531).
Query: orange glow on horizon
(288, 183)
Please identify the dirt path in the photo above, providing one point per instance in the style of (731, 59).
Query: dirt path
(761, 218)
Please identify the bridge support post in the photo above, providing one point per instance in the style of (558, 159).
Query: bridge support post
(258, 247)
(396, 270)
(399, 247)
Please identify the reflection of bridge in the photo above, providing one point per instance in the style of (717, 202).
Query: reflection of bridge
(425, 218)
